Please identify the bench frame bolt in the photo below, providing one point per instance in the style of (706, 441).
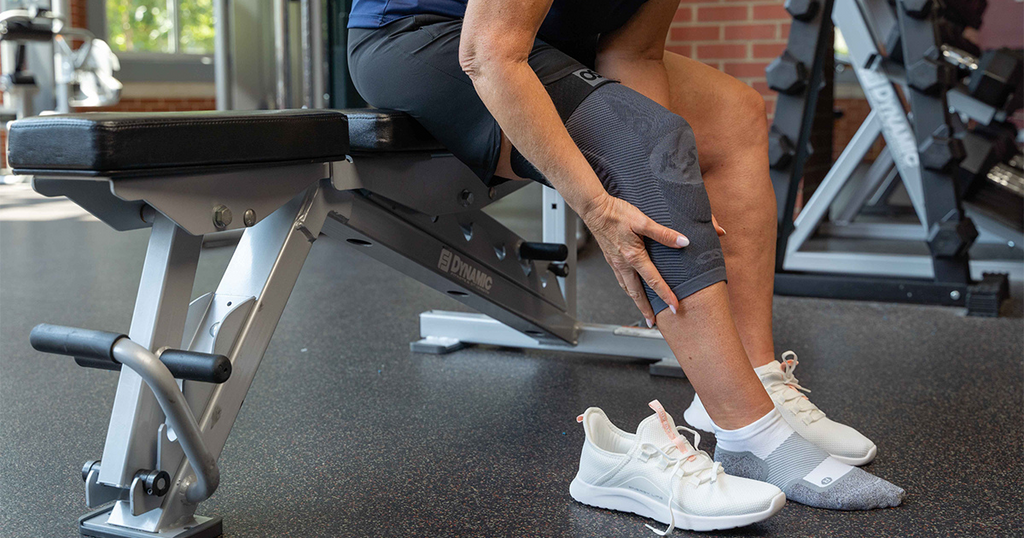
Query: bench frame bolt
(466, 198)
(221, 217)
(249, 217)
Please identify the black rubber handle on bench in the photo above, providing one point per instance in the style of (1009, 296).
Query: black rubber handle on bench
(95, 349)
(92, 346)
(552, 252)
(197, 366)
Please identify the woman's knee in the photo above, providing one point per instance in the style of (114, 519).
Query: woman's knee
(646, 155)
(752, 116)
(742, 128)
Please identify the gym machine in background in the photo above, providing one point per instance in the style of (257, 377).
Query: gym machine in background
(282, 54)
(953, 160)
(41, 72)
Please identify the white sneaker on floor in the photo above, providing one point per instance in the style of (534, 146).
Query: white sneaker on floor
(839, 440)
(656, 473)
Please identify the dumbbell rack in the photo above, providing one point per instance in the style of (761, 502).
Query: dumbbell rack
(921, 144)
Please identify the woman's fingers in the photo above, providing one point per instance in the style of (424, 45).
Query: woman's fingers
(635, 288)
(662, 234)
(620, 234)
(718, 229)
(646, 269)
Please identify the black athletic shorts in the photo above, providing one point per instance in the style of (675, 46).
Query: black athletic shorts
(412, 65)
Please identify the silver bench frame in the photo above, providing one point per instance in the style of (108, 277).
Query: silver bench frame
(417, 212)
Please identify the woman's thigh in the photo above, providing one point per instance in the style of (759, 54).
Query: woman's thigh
(720, 109)
(412, 65)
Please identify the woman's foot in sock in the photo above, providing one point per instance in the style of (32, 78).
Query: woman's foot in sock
(841, 441)
(771, 451)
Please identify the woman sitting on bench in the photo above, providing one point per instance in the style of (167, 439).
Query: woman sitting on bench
(518, 90)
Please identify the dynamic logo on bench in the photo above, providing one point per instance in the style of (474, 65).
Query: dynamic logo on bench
(452, 263)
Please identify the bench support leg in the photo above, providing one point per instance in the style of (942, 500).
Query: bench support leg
(158, 321)
(239, 320)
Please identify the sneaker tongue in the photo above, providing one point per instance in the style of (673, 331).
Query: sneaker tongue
(772, 370)
(652, 431)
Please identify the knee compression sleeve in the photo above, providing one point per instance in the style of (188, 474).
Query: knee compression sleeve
(647, 156)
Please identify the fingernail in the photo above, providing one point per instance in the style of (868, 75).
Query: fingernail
(650, 324)
(723, 231)
(672, 308)
(682, 241)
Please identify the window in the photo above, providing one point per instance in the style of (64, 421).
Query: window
(160, 26)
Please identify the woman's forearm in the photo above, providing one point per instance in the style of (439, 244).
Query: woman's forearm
(520, 104)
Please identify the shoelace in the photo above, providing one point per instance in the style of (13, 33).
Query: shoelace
(703, 463)
(788, 388)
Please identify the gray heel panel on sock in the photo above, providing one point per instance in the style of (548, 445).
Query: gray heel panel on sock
(742, 464)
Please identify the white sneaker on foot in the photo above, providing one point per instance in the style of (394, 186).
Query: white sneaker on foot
(839, 440)
(656, 473)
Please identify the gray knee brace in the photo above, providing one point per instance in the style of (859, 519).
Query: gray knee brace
(647, 156)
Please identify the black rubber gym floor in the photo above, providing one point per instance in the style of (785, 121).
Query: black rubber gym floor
(345, 432)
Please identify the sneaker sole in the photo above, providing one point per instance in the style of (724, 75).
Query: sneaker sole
(625, 500)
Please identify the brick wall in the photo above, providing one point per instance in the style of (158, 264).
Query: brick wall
(78, 14)
(739, 37)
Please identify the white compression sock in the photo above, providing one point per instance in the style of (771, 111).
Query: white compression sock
(769, 450)
(760, 437)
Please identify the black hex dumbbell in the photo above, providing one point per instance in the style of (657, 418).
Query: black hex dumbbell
(802, 10)
(780, 149)
(929, 76)
(940, 151)
(997, 76)
(786, 74)
(950, 238)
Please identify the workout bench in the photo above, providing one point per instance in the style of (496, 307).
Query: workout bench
(374, 179)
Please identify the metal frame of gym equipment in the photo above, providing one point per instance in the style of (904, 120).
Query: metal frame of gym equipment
(444, 332)
(887, 119)
(922, 148)
(419, 212)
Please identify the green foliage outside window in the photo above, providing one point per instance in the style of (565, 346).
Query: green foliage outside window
(196, 18)
(149, 26)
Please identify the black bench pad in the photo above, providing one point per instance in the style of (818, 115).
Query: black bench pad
(110, 142)
(375, 130)
(118, 143)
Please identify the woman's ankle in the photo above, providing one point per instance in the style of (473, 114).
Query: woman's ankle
(761, 358)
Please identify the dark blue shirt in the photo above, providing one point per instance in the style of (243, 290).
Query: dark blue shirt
(568, 20)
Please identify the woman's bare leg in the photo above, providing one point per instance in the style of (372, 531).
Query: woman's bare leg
(730, 126)
(703, 337)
